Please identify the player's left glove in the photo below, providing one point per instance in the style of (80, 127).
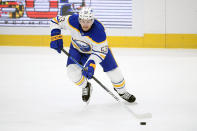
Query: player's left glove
(56, 40)
(88, 71)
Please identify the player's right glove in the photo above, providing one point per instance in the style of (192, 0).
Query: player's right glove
(56, 40)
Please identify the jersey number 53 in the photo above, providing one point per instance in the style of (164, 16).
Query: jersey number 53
(104, 49)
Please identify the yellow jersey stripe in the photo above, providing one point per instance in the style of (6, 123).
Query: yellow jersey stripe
(54, 19)
(102, 56)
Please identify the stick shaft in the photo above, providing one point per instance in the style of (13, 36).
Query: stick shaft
(138, 116)
(105, 88)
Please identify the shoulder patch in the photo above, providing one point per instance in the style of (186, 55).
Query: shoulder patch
(73, 21)
(98, 33)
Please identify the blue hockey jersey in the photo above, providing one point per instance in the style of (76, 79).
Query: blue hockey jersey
(91, 42)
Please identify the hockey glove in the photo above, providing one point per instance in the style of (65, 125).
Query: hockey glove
(88, 71)
(56, 40)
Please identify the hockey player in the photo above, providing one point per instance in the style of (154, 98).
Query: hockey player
(89, 47)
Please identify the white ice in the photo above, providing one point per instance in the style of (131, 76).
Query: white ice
(36, 94)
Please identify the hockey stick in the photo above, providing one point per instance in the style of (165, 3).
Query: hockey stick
(139, 116)
(92, 77)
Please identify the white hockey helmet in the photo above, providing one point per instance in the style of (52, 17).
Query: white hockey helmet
(86, 13)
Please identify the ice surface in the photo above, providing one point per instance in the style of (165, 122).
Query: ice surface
(36, 94)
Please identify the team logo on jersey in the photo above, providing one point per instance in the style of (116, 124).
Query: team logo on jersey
(83, 46)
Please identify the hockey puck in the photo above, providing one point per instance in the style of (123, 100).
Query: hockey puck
(142, 123)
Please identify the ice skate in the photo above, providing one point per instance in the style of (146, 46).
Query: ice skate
(127, 96)
(86, 92)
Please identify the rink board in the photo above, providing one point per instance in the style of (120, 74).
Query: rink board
(146, 41)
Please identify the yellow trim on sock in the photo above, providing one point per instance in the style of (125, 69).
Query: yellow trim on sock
(81, 81)
(119, 85)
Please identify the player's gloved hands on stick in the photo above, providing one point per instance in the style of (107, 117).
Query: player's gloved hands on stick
(88, 71)
(56, 40)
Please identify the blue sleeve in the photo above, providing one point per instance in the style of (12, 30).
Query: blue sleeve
(73, 21)
(98, 34)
